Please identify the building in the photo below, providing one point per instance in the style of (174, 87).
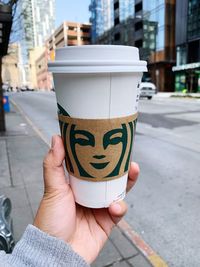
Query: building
(187, 69)
(44, 78)
(148, 25)
(68, 34)
(43, 20)
(102, 15)
(157, 41)
(34, 22)
(37, 61)
(10, 70)
(40, 79)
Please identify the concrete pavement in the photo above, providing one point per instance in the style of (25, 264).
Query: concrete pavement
(21, 154)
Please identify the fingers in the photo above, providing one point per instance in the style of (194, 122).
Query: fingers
(54, 175)
(117, 210)
(132, 175)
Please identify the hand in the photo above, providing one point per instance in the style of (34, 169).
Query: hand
(85, 229)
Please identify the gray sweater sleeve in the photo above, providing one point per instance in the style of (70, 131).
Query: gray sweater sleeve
(38, 249)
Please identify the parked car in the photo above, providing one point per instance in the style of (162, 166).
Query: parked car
(147, 89)
(23, 89)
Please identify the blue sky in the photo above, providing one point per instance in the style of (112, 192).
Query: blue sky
(72, 10)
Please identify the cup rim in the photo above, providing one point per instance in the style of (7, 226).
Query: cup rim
(97, 58)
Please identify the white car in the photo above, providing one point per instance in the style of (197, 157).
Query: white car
(147, 89)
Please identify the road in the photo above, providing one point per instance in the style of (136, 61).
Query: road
(164, 205)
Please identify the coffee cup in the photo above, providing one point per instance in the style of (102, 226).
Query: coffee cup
(97, 92)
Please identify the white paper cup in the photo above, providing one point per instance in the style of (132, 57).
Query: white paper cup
(97, 84)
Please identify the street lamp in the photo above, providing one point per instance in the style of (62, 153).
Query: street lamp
(5, 29)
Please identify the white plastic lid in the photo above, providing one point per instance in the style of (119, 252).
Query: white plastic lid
(97, 58)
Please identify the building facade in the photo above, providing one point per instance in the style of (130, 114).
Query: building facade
(158, 41)
(187, 69)
(68, 34)
(10, 70)
(102, 15)
(43, 20)
(150, 26)
(34, 22)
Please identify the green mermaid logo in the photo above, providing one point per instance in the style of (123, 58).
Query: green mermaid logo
(97, 149)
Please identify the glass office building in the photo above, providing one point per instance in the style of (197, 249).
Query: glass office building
(34, 23)
(126, 9)
(106, 16)
(106, 13)
(154, 16)
(101, 17)
(158, 40)
(43, 20)
(148, 25)
(187, 69)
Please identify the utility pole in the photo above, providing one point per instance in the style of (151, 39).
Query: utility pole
(5, 29)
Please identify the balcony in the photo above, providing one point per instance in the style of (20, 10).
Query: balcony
(72, 32)
(85, 34)
(72, 42)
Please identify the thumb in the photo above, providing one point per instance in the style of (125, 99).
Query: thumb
(54, 174)
(117, 210)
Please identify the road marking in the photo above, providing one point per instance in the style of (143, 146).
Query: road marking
(145, 249)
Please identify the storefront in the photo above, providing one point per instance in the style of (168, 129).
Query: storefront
(187, 78)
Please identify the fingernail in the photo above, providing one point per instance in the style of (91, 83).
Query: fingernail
(53, 141)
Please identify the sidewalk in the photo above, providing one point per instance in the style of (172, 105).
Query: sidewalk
(21, 155)
(177, 95)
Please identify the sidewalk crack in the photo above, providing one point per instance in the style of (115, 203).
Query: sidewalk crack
(9, 164)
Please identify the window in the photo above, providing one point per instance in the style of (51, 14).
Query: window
(138, 43)
(138, 26)
(193, 51)
(86, 39)
(116, 21)
(138, 7)
(117, 36)
(86, 30)
(71, 28)
(116, 5)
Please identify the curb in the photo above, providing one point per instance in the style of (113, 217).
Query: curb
(135, 239)
(177, 95)
(145, 249)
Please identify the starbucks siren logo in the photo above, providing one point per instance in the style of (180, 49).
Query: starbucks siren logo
(97, 149)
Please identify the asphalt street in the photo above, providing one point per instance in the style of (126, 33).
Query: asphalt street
(164, 205)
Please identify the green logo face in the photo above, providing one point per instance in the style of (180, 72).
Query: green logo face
(97, 149)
